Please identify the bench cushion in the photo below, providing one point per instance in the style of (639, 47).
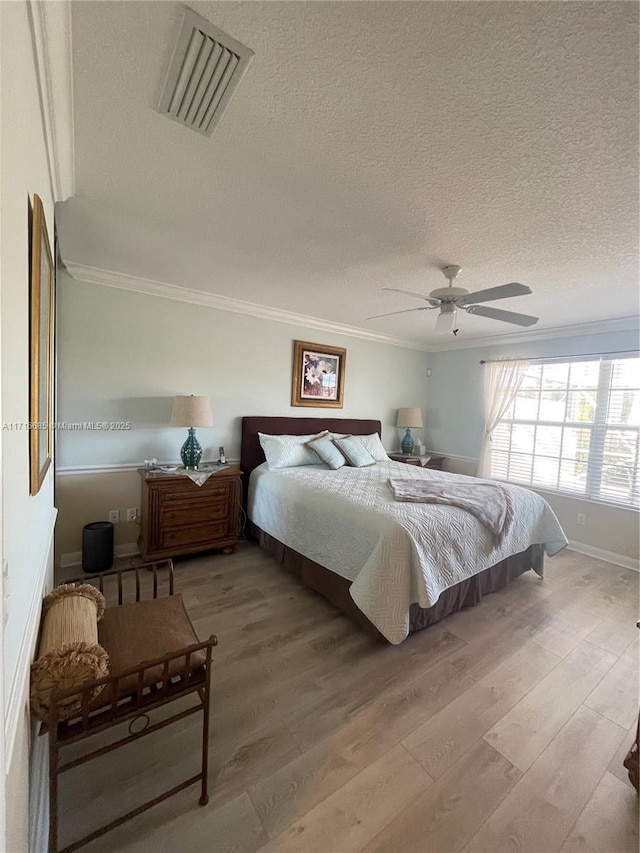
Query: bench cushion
(143, 631)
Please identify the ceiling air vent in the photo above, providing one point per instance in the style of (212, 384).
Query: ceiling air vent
(205, 70)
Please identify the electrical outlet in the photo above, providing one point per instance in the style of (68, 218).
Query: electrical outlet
(114, 516)
(582, 518)
(132, 514)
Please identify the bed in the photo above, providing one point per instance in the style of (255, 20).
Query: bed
(393, 567)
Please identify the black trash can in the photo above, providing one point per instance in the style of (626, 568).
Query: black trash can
(97, 546)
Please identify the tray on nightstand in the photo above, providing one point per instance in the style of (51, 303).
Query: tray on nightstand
(433, 462)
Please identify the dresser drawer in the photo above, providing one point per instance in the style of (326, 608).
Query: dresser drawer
(193, 513)
(191, 495)
(193, 535)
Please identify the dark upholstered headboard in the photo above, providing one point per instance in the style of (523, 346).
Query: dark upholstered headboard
(251, 454)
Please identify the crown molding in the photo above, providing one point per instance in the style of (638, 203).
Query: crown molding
(596, 327)
(108, 278)
(164, 290)
(51, 31)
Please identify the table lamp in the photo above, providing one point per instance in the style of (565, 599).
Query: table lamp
(191, 412)
(411, 418)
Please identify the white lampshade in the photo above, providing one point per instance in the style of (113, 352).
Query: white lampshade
(410, 417)
(191, 412)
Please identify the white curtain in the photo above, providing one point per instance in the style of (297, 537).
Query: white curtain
(502, 380)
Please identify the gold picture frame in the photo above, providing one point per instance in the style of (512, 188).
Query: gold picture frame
(41, 308)
(318, 375)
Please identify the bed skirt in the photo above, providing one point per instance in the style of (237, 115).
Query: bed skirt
(467, 593)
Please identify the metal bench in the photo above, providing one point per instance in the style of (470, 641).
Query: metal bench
(154, 658)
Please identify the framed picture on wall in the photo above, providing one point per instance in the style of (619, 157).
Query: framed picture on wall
(318, 375)
(41, 305)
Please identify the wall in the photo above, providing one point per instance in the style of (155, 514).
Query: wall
(123, 355)
(455, 426)
(27, 522)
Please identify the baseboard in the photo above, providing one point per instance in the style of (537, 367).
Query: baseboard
(74, 558)
(130, 549)
(606, 556)
(39, 792)
(18, 688)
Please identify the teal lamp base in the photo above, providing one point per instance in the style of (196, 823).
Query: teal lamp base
(191, 451)
(407, 444)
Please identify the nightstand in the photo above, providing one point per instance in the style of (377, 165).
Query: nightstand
(433, 462)
(179, 517)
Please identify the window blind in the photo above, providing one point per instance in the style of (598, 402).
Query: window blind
(574, 427)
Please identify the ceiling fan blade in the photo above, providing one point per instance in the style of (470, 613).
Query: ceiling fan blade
(503, 291)
(434, 302)
(404, 311)
(446, 321)
(506, 316)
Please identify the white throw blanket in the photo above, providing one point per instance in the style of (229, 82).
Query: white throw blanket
(488, 502)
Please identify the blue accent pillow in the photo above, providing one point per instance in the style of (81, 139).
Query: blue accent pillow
(327, 452)
(354, 451)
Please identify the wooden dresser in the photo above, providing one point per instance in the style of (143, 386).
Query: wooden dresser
(179, 517)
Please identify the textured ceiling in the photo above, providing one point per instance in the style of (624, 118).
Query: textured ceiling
(368, 145)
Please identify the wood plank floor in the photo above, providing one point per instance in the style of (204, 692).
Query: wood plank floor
(502, 728)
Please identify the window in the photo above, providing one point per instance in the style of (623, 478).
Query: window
(574, 427)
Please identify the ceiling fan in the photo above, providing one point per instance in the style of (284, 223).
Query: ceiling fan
(449, 299)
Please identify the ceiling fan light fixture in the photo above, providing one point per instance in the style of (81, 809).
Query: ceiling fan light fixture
(446, 318)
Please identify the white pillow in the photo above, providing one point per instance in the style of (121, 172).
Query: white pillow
(374, 446)
(288, 451)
